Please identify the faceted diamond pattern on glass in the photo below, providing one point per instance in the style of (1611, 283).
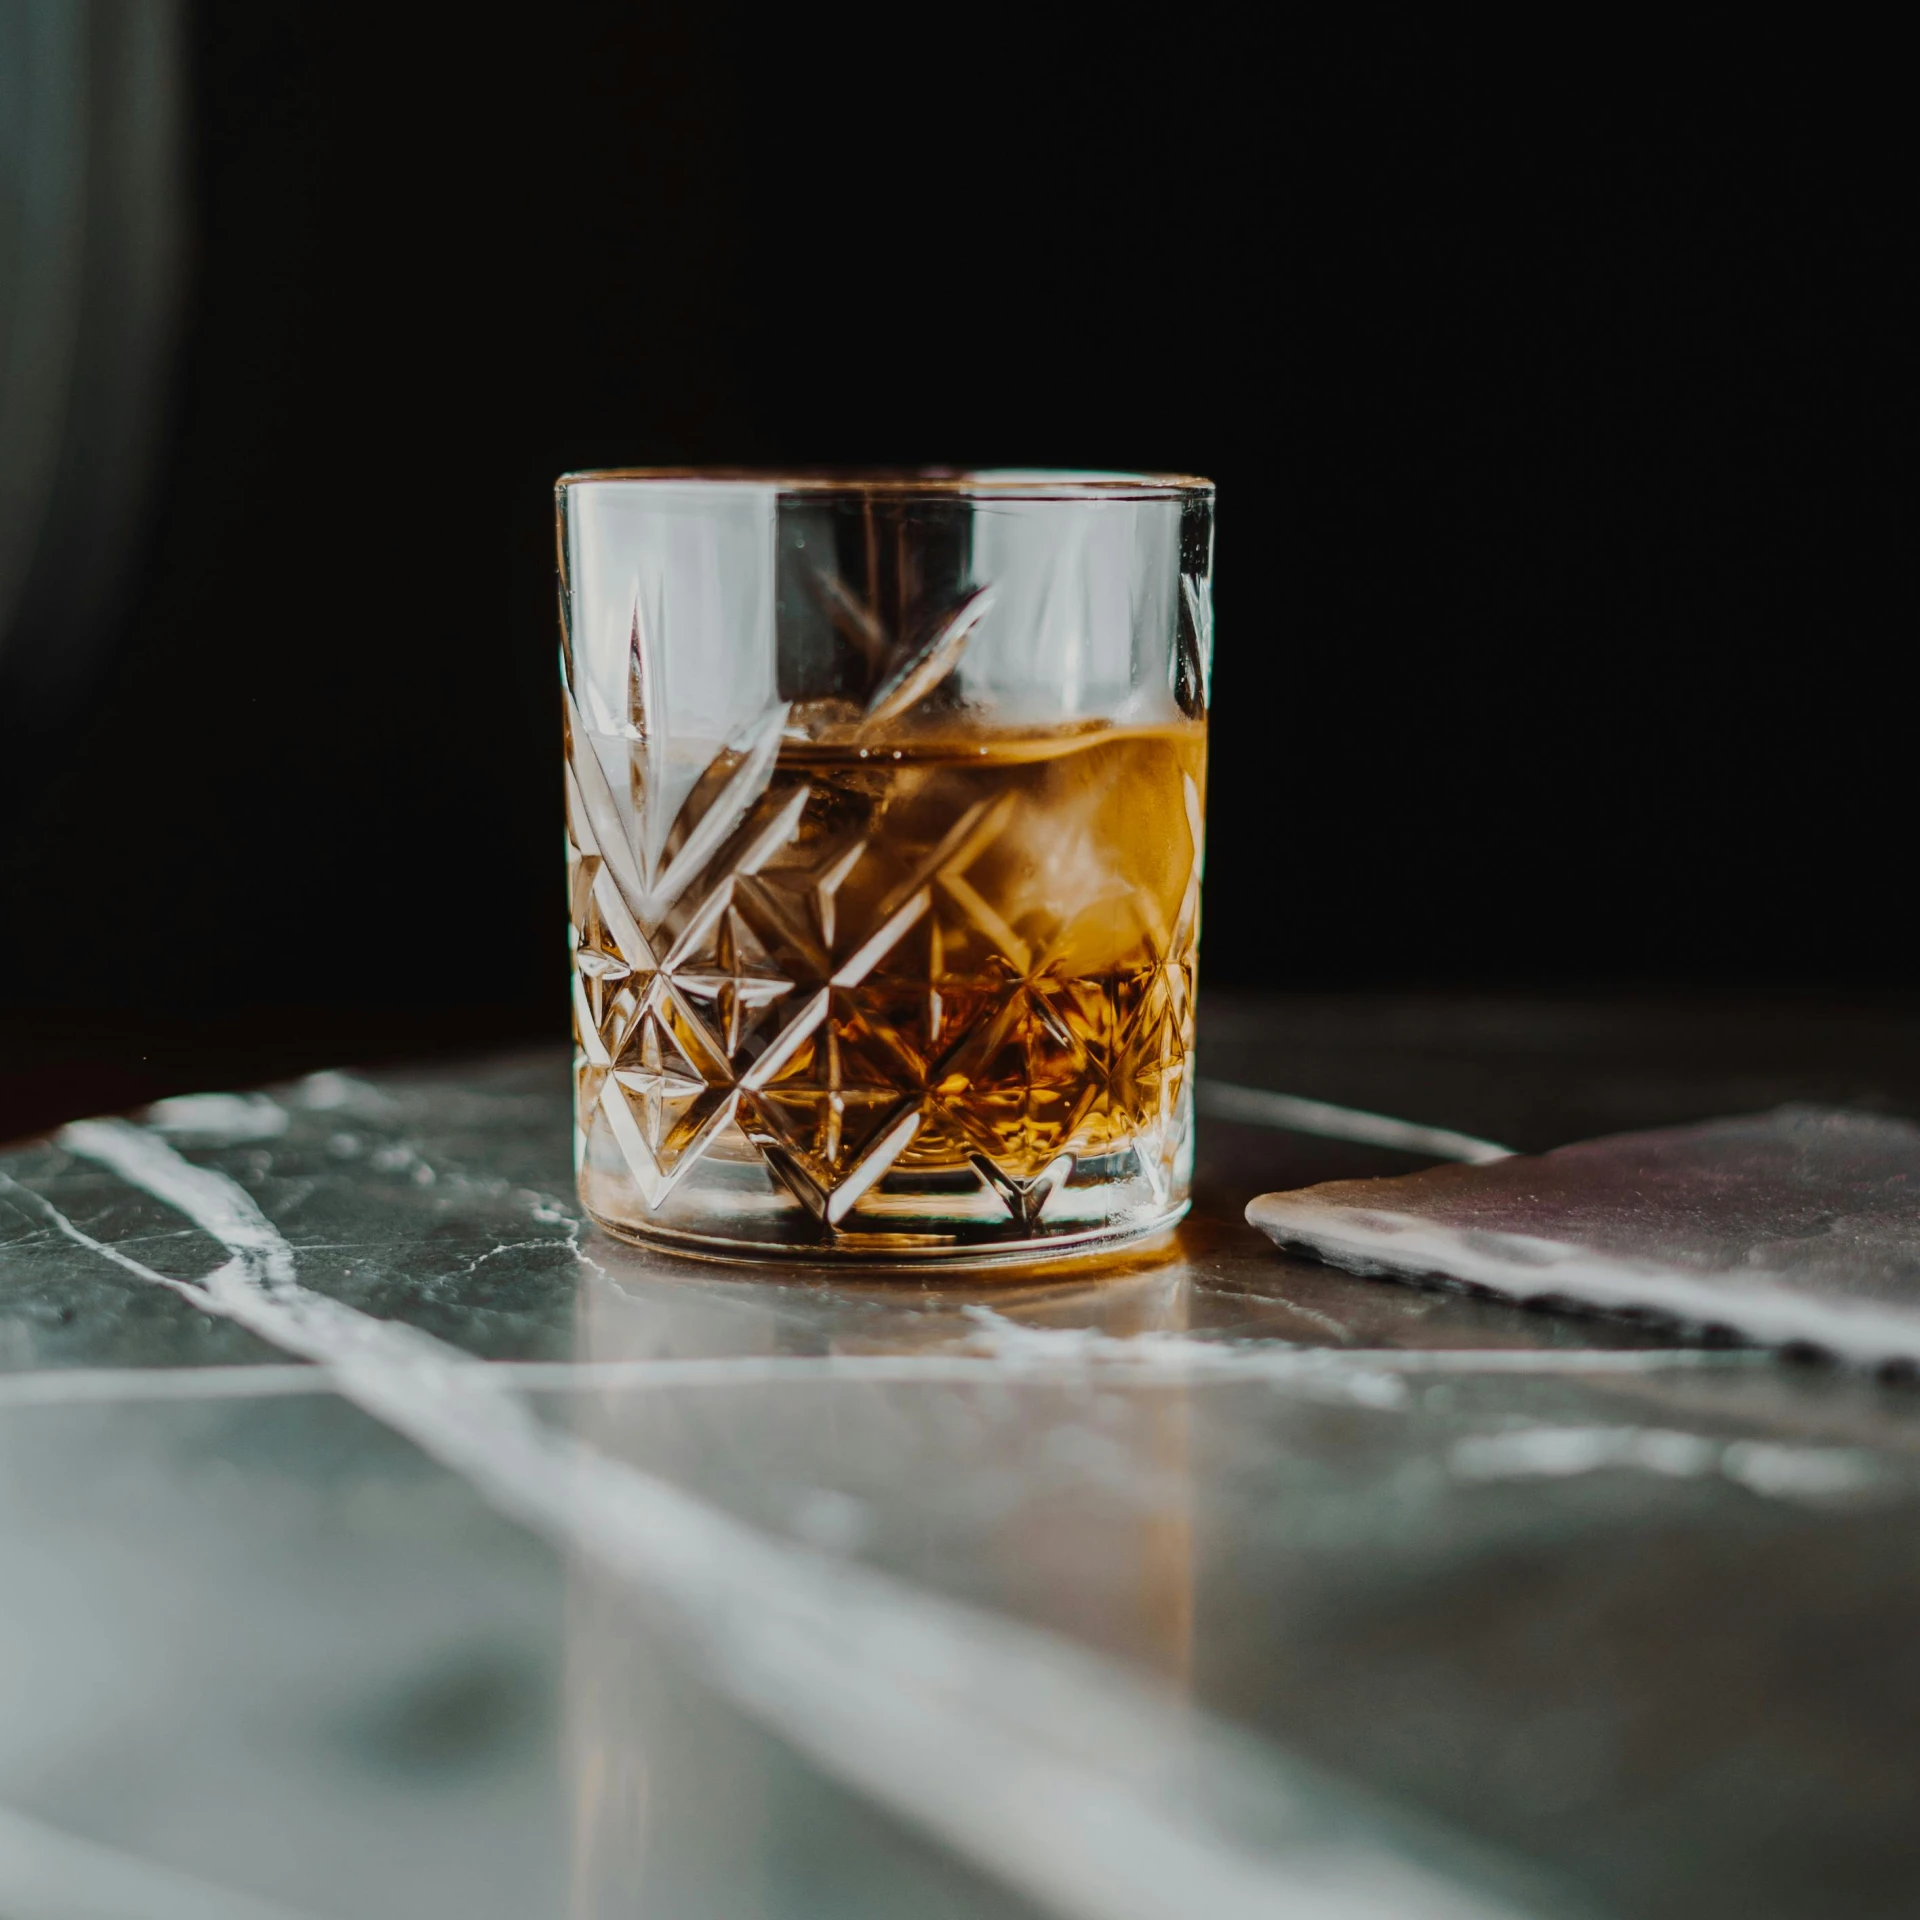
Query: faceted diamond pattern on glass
(845, 959)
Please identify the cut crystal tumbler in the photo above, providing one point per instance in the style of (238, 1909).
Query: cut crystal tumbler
(884, 809)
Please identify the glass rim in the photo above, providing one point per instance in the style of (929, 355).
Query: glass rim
(906, 483)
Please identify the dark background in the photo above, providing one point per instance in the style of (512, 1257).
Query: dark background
(1561, 394)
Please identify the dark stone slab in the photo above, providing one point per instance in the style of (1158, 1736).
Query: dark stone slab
(1797, 1228)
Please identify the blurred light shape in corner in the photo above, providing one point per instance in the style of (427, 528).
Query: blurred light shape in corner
(93, 231)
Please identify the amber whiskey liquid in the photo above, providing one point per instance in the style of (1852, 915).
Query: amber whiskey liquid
(926, 978)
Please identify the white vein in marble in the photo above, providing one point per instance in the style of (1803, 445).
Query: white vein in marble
(1816, 1474)
(1261, 1107)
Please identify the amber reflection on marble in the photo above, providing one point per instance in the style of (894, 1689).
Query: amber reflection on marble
(1062, 1492)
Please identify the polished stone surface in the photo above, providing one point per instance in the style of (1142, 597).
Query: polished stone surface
(379, 1540)
(1798, 1228)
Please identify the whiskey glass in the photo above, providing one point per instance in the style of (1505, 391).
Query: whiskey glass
(884, 833)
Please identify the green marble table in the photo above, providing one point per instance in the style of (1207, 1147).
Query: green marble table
(376, 1539)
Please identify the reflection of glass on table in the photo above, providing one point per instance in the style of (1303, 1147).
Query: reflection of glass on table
(965, 1450)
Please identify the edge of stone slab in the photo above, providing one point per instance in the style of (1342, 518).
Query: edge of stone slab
(1765, 1308)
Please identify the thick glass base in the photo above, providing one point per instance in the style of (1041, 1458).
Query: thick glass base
(734, 1207)
(838, 1253)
